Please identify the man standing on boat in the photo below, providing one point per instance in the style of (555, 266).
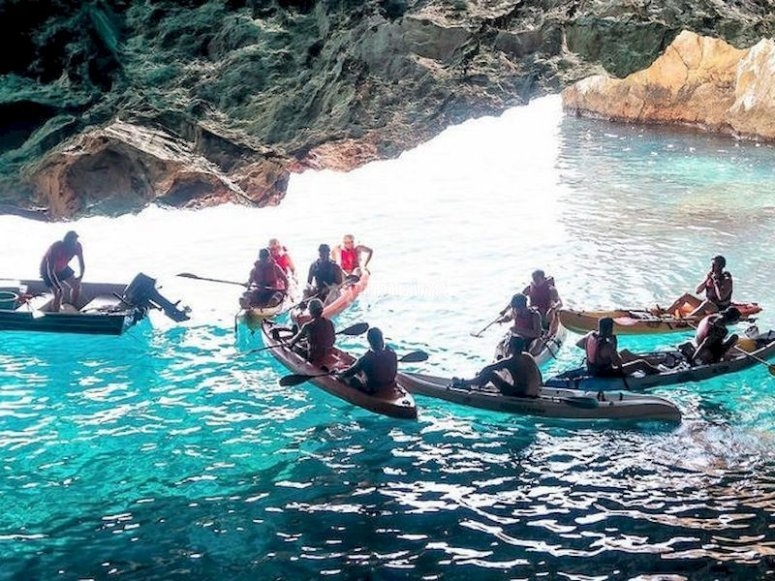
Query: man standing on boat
(379, 365)
(56, 272)
(318, 335)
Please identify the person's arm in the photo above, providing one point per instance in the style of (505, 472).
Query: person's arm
(724, 288)
(338, 274)
(366, 250)
(582, 343)
(354, 368)
(311, 274)
(281, 275)
(291, 265)
(51, 272)
(701, 287)
(81, 264)
(336, 254)
(556, 301)
(303, 332)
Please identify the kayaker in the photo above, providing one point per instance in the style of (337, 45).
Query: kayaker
(280, 255)
(709, 345)
(717, 286)
(317, 336)
(543, 296)
(267, 283)
(527, 320)
(378, 365)
(526, 378)
(56, 272)
(603, 357)
(324, 273)
(348, 255)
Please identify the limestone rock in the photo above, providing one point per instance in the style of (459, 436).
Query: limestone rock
(698, 81)
(108, 105)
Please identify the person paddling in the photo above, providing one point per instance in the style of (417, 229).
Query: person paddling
(527, 320)
(543, 296)
(267, 283)
(717, 286)
(348, 255)
(56, 272)
(379, 366)
(281, 256)
(317, 336)
(323, 274)
(709, 344)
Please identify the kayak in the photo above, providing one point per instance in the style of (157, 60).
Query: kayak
(674, 368)
(254, 316)
(338, 300)
(393, 401)
(551, 402)
(639, 322)
(545, 349)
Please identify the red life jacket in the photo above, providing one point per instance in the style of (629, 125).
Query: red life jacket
(322, 337)
(593, 348)
(525, 320)
(281, 258)
(348, 258)
(541, 296)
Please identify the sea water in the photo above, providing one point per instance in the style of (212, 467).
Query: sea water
(173, 452)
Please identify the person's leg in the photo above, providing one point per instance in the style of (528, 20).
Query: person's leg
(684, 299)
(639, 365)
(704, 308)
(56, 304)
(75, 291)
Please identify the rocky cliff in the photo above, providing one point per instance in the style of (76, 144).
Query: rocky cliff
(698, 81)
(107, 105)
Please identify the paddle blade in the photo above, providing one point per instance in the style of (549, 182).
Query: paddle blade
(294, 379)
(356, 329)
(414, 357)
(771, 369)
(187, 275)
(37, 314)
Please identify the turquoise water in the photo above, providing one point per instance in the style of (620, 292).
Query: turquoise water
(170, 452)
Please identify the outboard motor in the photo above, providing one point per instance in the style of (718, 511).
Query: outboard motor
(142, 293)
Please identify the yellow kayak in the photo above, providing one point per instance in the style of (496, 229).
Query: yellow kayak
(638, 322)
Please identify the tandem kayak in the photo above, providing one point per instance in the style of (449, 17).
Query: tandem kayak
(551, 402)
(674, 366)
(393, 401)
(639, 322)
(338, 300)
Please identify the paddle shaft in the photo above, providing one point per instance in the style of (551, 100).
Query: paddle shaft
(297, 378)
(491, 323)
(356, 329)
(196, 277)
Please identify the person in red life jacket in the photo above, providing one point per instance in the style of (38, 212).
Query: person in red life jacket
(56, 272)
(527, 320)
(348, 255)
(543, 296)
(717, 286)
(379, 366)
(324, 274)
(526, 379)
(603, 357)
(709, 344)
(317, 336)
(280, 255)
(267, 283)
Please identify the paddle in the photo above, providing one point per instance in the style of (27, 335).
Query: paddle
(297, 378)
(195, 277)
(478, 334)
(356, 329)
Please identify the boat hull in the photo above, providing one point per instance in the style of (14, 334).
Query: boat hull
(544, 352)
(336, 304)
(676, 369)
(551, 402)
(393, 401)
(638, 322)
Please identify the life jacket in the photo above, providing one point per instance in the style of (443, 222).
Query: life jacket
(710, 292)
(265, 275)
(541, 295)
(59, 256)
(596, 360)
(281, 258)
(322, 337)
(382, 369)
(525, 319)
(348, 258)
